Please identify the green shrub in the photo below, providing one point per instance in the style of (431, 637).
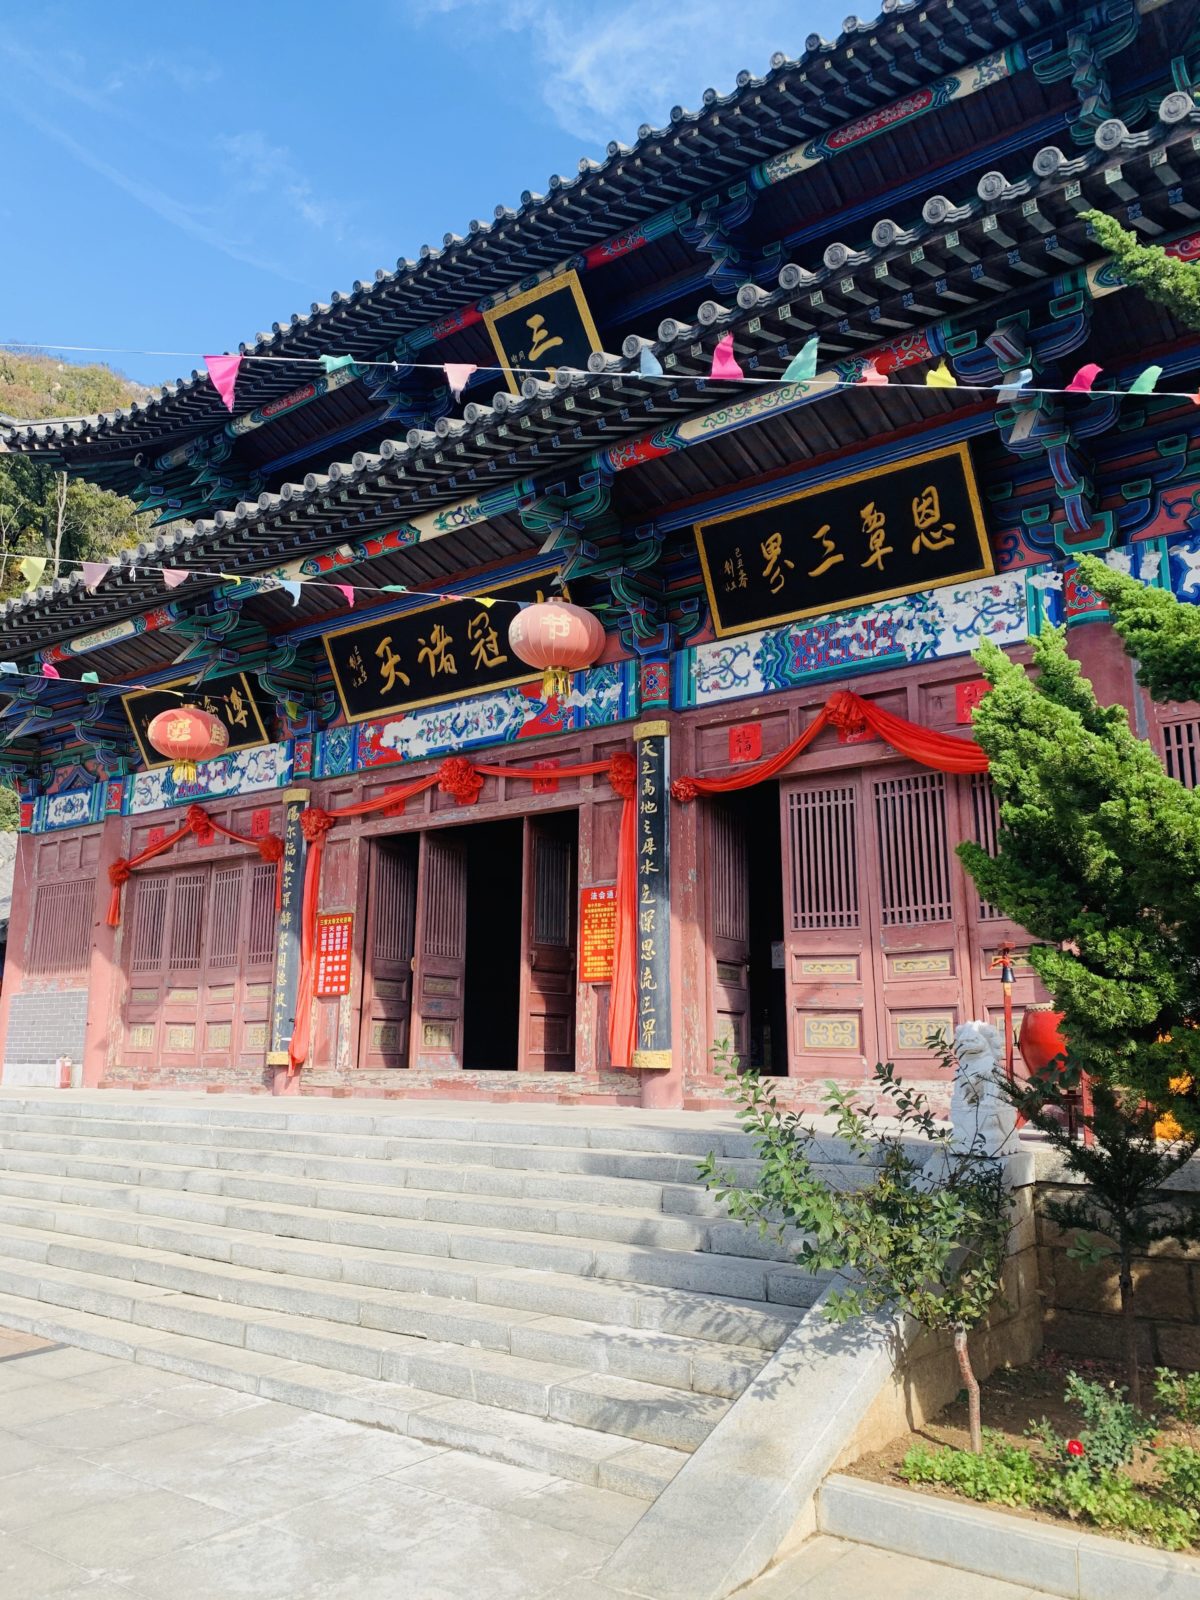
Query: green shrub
(1179, 1472)
(1113, 1435)
(1113, 1501)
(1005, 1475)
(1178, 1393)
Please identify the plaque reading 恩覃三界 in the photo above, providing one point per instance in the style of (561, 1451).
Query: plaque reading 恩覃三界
(443, 651)
(542, 329)
(868, 537)
(231, 700)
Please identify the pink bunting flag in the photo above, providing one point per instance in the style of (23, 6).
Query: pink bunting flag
(173, 576)
(223, 371)
(50, 672)
(458, 375)
(347, 593)
(1083, 380)
(724, 363)
(95, 572)
(871, 373)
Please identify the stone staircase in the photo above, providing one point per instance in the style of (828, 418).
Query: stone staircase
(559, 1294)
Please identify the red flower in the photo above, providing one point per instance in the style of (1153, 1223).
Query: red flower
(1074, 1448)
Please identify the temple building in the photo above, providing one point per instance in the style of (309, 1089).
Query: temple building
(417, 868)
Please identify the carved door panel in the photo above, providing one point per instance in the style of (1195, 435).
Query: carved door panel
(547, 1026)
(223, 938)
(828, 959)
(388, 966)
(728, 888)
(441, 948)
(922, 951)
(147, 901)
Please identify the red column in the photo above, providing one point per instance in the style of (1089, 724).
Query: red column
(102, 1037)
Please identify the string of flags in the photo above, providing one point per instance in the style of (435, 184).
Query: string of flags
(32, 569)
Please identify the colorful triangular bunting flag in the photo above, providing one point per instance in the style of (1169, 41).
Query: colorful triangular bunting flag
(49, 671)
(31, 569)
(803, 366)
(871, 373)
(10, 669)
(336, 363)
(292, 585)
(347, 593)
(724, 362)
(223, 371)
(458, 375)
(90, 677)
(173, 576)
(1083, 380)
(1145, 381)
(940, 377)
(94, 573)
(648, 363)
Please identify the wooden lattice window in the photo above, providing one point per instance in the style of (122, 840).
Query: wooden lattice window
(1181, 746)
(552, 890)
(395, 905)
(914, 852)
(148, 922)
(62, 927)
(823, 884)
(187, 921)
(985, 818)
(445, 924)
(225, 917)
(731, 911)
(260, 939)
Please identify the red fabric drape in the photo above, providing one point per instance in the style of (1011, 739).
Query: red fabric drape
(852, 714)
(463, 778)
(197, 821)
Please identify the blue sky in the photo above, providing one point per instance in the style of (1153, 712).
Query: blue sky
(179, 175)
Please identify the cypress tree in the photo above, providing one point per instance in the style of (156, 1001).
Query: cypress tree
(1098, 856)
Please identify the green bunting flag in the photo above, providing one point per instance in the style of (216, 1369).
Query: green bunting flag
(1145, 381)
(803, 366)
(336, 363)
(91, 677)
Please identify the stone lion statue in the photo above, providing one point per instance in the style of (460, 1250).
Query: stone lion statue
(980, 1113)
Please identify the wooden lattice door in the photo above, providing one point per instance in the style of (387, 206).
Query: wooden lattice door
(441, 953)
(201, 944)
(388, 968)
(828, 960)
(727, 880)
(547, 1025)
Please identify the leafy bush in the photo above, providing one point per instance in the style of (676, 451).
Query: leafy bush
(926, 1233)
(1179, 1469)
(1178, 1393)
(1115, 1432)
(1083, 1479)
(1005, 1475)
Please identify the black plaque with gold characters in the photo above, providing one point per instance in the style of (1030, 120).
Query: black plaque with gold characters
(443, 651)
(231, 700)
(546, 327)
(890, 531)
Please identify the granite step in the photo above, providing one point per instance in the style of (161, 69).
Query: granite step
(569, 1450)
(652, 1356)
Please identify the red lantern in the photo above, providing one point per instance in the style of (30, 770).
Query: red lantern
(1041, 1040)
(557, 638)
(186, 735)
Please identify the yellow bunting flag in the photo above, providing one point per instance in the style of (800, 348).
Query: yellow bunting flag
(940, 377)
(31, 569)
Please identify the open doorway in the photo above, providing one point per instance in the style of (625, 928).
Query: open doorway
(746, 925)
(492, 990)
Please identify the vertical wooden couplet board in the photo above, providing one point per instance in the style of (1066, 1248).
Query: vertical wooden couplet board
(652, 1051)
(287, 948)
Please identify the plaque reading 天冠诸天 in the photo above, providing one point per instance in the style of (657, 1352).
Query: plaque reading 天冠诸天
(544, 328)
(890, 531)
(444, 651)
(231, 700)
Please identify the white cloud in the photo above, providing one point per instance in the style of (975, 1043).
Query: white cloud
(603, 70)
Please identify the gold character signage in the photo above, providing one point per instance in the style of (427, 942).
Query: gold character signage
(546, 327)
(652, 1049)
(894, 530)
(231, 700)
(444, 651)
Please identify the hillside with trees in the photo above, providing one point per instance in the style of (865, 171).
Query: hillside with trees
(42, 512)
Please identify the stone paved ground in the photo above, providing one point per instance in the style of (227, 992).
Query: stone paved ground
(119, 1482)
